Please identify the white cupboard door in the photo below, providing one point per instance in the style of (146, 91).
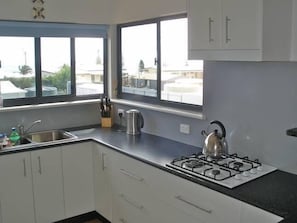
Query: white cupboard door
(78, 178)
(16, 188)
(103, 191)
(48, 185)
(242, 24)
(253, 214)
(204, 24)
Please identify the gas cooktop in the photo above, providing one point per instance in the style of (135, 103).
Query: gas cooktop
(229, 170)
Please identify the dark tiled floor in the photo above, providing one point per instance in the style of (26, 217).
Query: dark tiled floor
(92, 221)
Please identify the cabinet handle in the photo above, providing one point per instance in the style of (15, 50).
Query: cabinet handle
(103, 161)
(39, 165)
(131, 175)
(227, 20)
(25, 168)
(210, 21)
(139, 207)
(193, 205)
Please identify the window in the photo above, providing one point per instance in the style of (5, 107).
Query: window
(153, 64)
(49, 62)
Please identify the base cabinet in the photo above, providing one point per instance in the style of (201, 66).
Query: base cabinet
(256, 215)
(102, 181)
(16, 194)
(33, 187)
(78, 178)
(48, 185)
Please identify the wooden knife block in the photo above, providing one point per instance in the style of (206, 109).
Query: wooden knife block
(106, 122)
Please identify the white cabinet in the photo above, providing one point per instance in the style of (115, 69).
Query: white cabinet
(16, 194)
(78, 178)
(33, 185)
(224, 24)
(48, 185)
(253, 214)
(102, 181)
(132, 201)
(240, 30)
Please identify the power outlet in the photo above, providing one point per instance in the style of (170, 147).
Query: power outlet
(184, 128)
(121, 111)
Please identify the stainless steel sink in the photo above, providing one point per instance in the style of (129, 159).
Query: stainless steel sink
(49, 136)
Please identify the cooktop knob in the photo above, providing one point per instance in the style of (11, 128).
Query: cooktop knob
(237, 177)
(259, 168)
(253, 171)
(245, 174)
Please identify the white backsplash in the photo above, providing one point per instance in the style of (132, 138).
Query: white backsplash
(257, 102)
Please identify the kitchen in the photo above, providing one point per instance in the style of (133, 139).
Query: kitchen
(240, 94)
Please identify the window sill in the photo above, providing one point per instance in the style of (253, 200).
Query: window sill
(49, 105)
(173, 111)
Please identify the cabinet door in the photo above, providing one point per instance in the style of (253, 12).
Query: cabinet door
(253, 214)
(242, 24)
(16, 194)
(78, 178)
(204, 22)
(102, 181)
(48, 185)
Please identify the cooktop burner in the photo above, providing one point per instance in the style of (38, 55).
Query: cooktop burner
(229, 171)
(193, 164)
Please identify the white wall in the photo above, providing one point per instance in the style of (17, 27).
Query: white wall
(133, 10)
(52, 118)
(74, 11)
(257, 102)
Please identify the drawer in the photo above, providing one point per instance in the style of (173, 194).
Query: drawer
(204, 204)
(127, 209)
(195, 201)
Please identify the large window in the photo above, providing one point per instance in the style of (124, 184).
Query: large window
(154, 66)
(42, 63)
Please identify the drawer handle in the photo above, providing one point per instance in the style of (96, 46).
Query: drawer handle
(139, 207)
(125, 172)
(193, 205)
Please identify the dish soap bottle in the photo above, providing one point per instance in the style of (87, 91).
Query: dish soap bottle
(14, 137)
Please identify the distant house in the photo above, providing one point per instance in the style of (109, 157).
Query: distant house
(9, 90)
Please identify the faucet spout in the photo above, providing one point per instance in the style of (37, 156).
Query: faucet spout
(23, 131)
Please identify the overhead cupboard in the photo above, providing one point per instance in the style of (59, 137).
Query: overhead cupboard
(240, 30)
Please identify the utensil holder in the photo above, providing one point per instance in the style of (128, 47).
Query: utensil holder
(106, 122)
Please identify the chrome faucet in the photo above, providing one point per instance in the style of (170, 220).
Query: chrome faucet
(22, 130)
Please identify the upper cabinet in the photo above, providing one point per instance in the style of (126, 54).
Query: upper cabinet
(240, 30)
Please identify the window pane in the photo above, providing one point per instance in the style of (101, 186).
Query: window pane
(17, 67)
(181, 79)
(139, 50)
(89, 66)
(55, 66)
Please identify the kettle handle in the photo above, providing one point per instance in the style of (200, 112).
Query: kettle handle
(141, 122)
(220, 124)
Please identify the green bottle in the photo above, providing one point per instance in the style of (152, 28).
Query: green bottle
(14, 137)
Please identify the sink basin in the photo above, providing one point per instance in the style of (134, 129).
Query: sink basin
(49, 136)
(25, 141)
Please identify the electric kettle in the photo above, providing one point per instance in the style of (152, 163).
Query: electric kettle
(215, 144)
(134, 122)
